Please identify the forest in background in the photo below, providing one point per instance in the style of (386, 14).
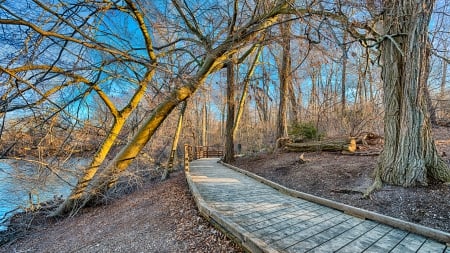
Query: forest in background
(107, 80)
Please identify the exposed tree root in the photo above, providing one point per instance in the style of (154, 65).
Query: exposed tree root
(377, 185)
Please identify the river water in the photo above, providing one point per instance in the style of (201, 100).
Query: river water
(19, 181)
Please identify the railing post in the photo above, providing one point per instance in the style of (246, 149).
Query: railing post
(186, 157)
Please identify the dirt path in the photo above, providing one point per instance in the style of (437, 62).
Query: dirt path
(161, 217)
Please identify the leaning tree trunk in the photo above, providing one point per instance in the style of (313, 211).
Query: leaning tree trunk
(409, 156)
(176, 137)
(244, 94)
(109, 176)
(74, 201)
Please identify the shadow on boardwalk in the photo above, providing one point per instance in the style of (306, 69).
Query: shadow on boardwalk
(264, 219)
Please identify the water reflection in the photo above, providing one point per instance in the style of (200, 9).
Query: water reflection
(22, 183)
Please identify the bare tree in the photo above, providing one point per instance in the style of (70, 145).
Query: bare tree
(231, 105)
(285, 73)
(409, 156)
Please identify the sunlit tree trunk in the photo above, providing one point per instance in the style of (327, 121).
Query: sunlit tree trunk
(74, 201)
(244, 94)
(409, 156)
(176, 137)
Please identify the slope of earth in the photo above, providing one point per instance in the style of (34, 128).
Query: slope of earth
(344, 178)
(160, 217)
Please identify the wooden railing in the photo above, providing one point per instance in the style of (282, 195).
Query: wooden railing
(198, 152)
(206, 152)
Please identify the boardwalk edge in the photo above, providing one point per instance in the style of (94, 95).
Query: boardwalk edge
(435, 234)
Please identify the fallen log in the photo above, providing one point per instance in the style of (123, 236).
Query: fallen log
(327, 145)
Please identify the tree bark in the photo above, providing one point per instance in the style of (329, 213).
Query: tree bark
(409, 154)
(285, 80)
(294, 105)
(231, 104)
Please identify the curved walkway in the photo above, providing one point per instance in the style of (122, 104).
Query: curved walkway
(264, 219)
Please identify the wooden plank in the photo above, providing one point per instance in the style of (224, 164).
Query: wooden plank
(279, 215)
(410, 243)
(294, 212)
(304, 234)
(231, 209)
(339, 236)
(312, 238)
(302, 221)
(388, 242)
(366, 240)
(254, 213)
(431, 246)
(266, 216)
(319, 220)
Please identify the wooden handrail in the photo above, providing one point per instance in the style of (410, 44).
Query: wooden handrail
(194, 153)
(186, 157)
(207, 151)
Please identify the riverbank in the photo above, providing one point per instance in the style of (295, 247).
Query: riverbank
(157, 217)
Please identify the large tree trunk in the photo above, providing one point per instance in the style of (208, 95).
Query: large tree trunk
(409, 156)
(231, 104)
(74, 200)
(285, 80)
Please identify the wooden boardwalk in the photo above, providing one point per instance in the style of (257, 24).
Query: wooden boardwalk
(264, 219)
